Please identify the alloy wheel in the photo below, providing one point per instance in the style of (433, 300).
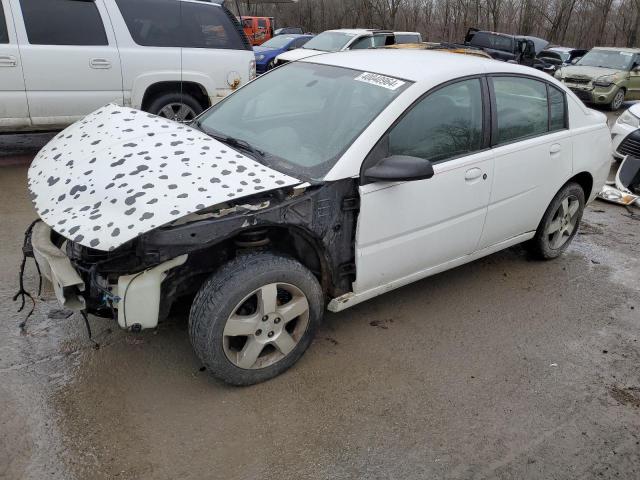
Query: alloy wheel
(178, 112)
(266, 326)
(617, 100)
(564, 222)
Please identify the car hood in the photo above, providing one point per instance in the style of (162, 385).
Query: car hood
(591, 73)
(299, 54)
(119, 173)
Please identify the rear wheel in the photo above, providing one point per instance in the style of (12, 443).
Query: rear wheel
(559, 224)
(179, 107)
(255, 317)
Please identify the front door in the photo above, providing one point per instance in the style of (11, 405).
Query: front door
(406, 229)
(633, 89)
(70, 60)
(14, 112)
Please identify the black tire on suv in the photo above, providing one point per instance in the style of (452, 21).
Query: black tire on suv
(180, 107)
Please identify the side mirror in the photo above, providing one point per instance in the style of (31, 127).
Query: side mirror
(399, 168)
(575, 60)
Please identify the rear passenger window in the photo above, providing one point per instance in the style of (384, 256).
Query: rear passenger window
(4, 34)
(557, 109)
(522, 108)
(63, 22)
(445, 124)
(169, 23)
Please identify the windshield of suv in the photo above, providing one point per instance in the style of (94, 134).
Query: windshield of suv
(607, 59)
(303, 116)
(329, 41)
(278, 42)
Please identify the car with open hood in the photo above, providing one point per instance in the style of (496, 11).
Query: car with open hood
(320, 185)
(604, 76)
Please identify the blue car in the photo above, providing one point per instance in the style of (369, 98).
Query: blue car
(267, 52)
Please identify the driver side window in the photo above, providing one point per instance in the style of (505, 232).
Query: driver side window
(444, 125)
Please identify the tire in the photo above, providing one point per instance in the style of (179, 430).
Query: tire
(227, 323)
(559, 224)
(183, 106)
(618, 100)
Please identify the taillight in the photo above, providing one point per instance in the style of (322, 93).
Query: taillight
(252, 69)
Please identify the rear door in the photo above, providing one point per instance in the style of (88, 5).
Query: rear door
(14, 112)
(70, 60)
(533, 155)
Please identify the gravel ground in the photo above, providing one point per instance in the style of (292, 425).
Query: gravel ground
(504, 368)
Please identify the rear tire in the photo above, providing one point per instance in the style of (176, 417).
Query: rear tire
(559, 224)
(179, 107)
(255, 317)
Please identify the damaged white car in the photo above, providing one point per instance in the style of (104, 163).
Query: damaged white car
(322, 184)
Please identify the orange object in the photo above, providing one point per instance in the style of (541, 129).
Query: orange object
(258, 29)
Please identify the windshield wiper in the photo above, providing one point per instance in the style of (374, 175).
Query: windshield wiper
(234, 142)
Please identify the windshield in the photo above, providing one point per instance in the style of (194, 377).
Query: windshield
(329, 41)
(280, 41)
(607, 59)
(303, 116)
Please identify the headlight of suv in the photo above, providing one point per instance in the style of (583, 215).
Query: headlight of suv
(260, 57)
(602, 82)
(628, 118)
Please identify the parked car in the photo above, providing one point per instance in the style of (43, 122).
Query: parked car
(605, 76)
(266, 53)
(625, 133)
(257, 29)
(62, 59)
(552, 58)
(509, 48)
(289, 31)
(347, 39)
(318, 185)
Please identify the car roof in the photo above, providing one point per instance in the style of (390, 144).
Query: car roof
(618, 49)
(424, 66)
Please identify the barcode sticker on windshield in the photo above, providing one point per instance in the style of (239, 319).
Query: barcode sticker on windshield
(389, 83)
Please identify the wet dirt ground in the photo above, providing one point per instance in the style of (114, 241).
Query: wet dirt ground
(504, 368)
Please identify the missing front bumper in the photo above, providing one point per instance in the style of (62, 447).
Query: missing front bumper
(57, 268)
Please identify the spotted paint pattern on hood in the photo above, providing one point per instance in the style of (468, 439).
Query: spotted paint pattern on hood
(119, 173)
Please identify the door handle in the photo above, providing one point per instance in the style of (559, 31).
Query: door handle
(555, 148)
(100, 63)
(472, 174)
(8, 61)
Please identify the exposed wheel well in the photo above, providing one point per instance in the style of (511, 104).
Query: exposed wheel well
(191, 88)
(585, 180)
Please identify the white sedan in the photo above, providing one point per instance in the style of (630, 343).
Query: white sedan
(322, 184)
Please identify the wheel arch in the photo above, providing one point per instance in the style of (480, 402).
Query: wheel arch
(585, 180)
(195, 89)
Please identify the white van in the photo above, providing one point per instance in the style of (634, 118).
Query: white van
(62, 59)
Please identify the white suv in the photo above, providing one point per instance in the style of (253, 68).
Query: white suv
(62, 59)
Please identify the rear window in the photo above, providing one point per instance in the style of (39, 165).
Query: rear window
(63, 22)
(4, 35)
(170, 23)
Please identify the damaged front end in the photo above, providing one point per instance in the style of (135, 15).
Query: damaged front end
(138, 282)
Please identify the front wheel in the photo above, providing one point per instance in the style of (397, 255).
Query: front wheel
(255, 317)
(618, 100)
(559, 224)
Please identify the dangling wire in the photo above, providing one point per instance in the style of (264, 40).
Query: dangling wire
(27, 251)
(96, 345)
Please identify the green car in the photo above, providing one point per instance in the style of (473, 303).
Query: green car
(604, 76)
